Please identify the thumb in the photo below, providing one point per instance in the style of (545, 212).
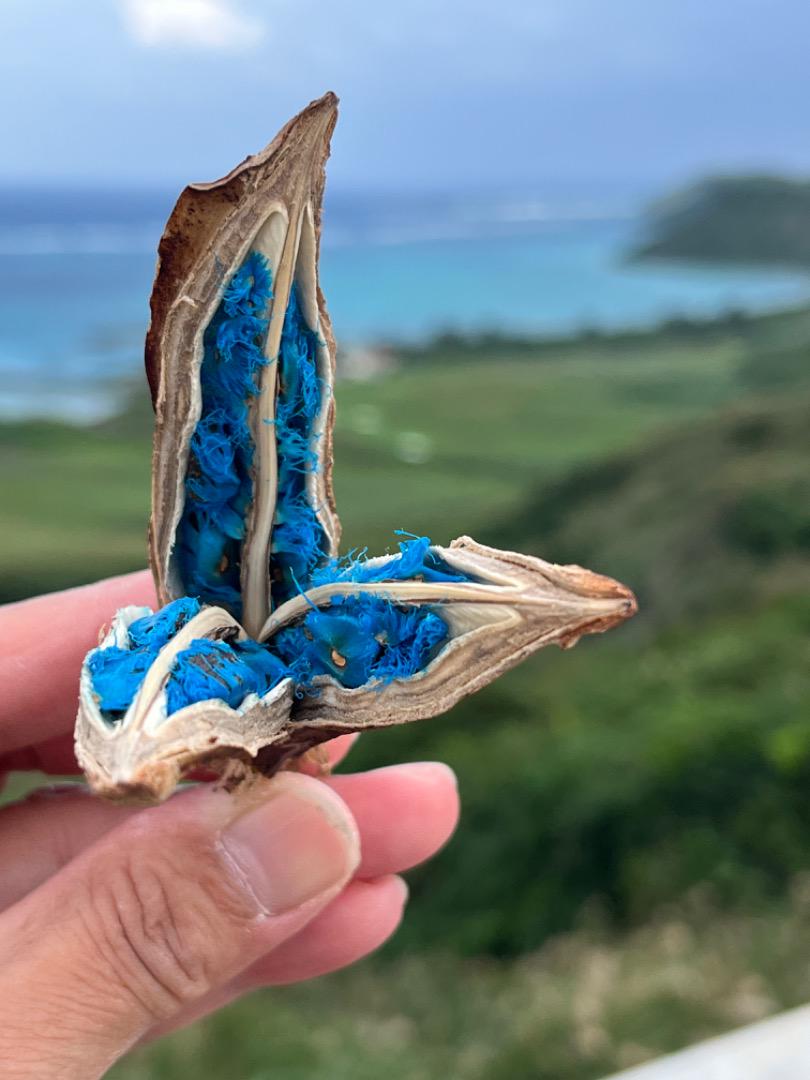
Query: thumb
(161, 911)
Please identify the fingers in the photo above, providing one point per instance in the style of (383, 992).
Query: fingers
(166, 909)
(404, 814)
(39, 836)
(44, 641)
(357, 922)
(54, 756)
(43, 832)
(407, 812)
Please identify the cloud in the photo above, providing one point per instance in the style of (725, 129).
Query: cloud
(191, 24)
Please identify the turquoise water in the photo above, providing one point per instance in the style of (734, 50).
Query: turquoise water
(75, 277)
(558, 278)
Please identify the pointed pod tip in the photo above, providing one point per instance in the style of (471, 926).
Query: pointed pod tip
(598, 586)
(625, 604)
(630, 605)
(609, 604)
(310, 129)
(605, 602)
(626, 607)
(322, 109)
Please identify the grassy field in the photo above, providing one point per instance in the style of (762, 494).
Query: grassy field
(631, 870)
(488, 430)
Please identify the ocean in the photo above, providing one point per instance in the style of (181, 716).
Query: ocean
(76, 269)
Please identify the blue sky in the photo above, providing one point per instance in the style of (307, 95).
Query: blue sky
(478, 93)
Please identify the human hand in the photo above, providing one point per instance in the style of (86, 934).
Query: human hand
(117, 925)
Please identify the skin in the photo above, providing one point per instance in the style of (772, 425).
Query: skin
(118, 925)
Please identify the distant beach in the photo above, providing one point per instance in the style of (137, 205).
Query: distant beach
(76, 269)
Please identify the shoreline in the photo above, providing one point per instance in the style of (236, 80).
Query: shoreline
(361, 362)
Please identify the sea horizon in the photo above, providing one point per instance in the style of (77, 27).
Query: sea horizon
(396, 269)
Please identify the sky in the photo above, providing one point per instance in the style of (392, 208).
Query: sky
(435, 94)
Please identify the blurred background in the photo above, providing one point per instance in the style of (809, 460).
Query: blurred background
(567, 256)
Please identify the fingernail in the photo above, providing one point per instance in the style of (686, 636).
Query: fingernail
(296, 845)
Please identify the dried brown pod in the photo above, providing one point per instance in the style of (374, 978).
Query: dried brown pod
(287, 646)
(271, 203)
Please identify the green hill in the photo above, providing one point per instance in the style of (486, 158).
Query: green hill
(708, 519)
(669, 754)
(740, 219)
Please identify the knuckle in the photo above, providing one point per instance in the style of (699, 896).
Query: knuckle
(165, 924)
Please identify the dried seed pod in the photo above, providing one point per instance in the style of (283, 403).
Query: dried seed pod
(268, 208)
(143, 753)
(504, 607)
(267, 643)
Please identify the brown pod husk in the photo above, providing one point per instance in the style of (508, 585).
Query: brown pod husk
(270, 203)
(506, 607)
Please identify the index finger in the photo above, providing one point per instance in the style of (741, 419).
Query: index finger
(42, 644)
